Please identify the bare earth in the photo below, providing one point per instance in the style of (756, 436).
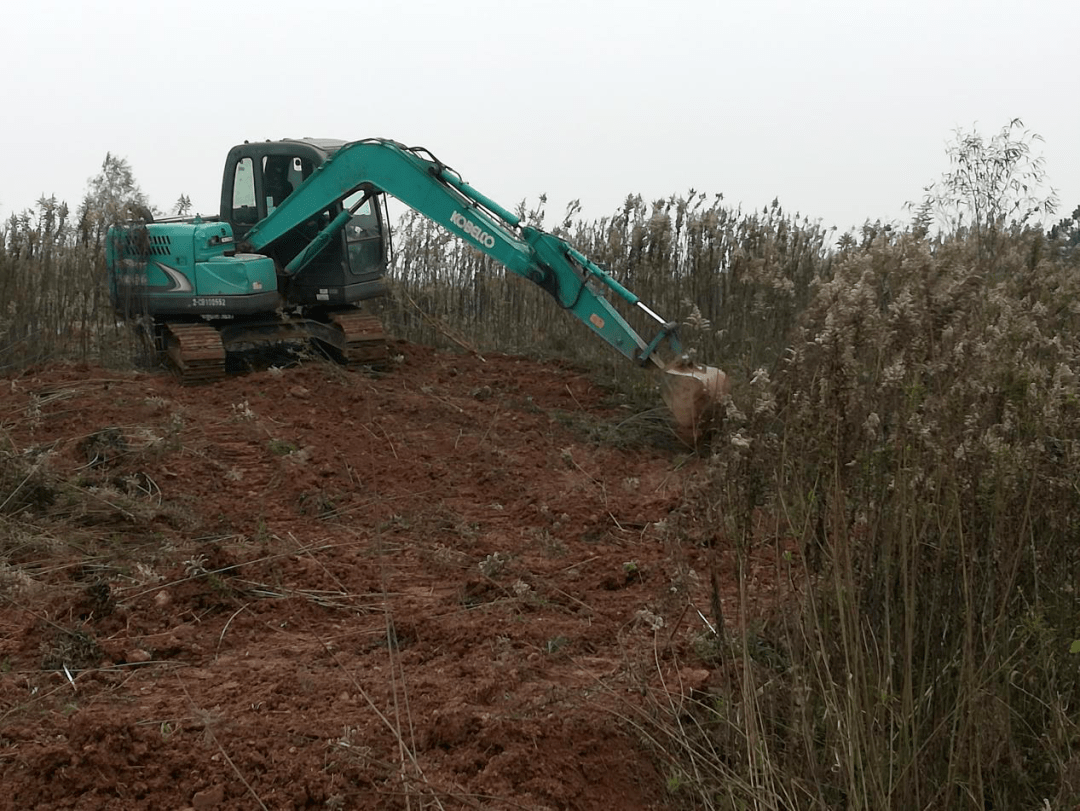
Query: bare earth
(446, 586)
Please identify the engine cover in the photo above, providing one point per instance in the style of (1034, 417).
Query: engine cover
(178, 268)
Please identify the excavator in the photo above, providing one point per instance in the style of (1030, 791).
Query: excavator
(301, 241)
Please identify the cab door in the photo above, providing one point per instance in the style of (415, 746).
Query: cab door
(259, 177)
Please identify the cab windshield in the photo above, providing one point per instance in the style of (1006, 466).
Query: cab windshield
(364, 223)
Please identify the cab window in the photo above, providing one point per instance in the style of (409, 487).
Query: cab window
(281, 175)
(364, 223)
(243, 205)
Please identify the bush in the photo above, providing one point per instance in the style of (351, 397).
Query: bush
(920, 445)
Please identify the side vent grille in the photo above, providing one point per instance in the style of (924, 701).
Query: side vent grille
(147, 244)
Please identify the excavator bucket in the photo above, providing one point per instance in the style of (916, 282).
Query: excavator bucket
(693, 393)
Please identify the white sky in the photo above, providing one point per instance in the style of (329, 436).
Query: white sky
(839, 108)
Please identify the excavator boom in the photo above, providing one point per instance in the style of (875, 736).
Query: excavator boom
(428, 186)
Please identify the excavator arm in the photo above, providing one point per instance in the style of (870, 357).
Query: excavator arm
(426, 185)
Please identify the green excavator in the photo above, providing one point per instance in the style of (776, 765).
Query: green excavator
(301, 241)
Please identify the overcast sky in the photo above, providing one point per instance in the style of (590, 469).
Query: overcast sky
(841, 109)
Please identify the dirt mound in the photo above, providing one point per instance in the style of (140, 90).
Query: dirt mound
(314, 588)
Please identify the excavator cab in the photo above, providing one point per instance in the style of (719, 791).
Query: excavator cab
(259, 178)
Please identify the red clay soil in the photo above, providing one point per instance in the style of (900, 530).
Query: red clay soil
(445, 586)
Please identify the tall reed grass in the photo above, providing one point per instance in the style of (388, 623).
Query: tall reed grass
(918, 447)
(54, 301)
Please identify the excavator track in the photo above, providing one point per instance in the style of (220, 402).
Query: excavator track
(195, 352)
(365, 339)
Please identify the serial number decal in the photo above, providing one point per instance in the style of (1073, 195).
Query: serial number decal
(207, 302)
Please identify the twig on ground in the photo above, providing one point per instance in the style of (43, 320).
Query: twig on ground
(210, 731)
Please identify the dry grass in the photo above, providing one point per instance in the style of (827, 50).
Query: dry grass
(56, 300)
(920, 442)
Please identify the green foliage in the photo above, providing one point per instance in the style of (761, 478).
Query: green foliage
(280, 447)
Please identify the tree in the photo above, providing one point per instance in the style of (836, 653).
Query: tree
(182, 205)
(993, 184)
(111, 196)
(1068, 229)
